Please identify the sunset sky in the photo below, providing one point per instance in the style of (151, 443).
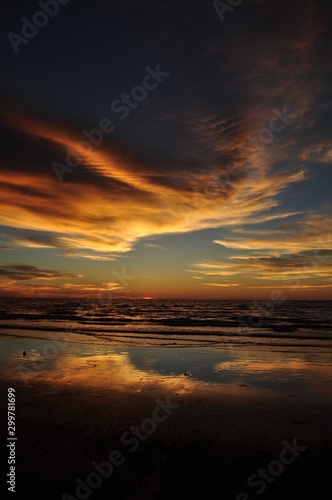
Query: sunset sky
(212, 181)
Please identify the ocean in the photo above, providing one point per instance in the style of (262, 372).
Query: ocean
(292, 325)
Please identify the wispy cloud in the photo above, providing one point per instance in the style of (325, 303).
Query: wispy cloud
(313, 233)
(195, 158)
(19, 272)
(100, 222)
(291, 255)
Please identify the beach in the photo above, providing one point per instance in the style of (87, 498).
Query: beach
(166, 255)
(169, 431)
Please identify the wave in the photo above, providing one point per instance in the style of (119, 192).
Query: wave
(202, 322)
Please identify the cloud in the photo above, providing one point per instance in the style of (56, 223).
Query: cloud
(308, 270)
(23, 280)
(19, 272)
(291, 255)
(313, 233)
(191, 159)
(81, 218)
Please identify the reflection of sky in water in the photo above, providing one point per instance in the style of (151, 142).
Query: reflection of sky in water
(276, 372)
(222, 367)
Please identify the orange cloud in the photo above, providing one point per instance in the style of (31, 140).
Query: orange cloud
(81, 218)
(293, 256)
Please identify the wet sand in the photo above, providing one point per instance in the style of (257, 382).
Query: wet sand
(76, 411)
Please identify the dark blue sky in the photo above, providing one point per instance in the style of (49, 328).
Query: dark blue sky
(217, 181)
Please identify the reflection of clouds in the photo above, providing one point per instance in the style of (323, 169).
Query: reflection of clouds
(35, 360)
(90, 369)
(279, 373)
(132, 371)
(254, 367)
(118, 371)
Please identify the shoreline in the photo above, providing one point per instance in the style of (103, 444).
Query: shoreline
(75, 413)
(181, 340)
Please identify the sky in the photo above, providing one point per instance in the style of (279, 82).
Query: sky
(166, 149)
